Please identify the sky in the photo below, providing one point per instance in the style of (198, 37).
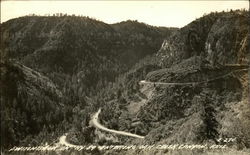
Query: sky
(158, 13)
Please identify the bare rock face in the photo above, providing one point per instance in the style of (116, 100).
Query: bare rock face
(226, 41)
(220, 38)
(187, 42)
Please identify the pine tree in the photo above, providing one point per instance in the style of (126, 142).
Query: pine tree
(208, 116)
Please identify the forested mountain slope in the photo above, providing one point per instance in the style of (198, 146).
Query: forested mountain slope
(30, 102)
(71, 45)
(204, 66)
(67, 60)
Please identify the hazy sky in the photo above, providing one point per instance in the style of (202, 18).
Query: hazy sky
(158, 13)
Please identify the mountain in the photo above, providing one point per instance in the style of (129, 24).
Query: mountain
(195, 86)
(198, 92)
(55, 63)
(221, 38)
(72, 45)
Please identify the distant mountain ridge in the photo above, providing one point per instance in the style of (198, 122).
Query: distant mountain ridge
(93, 51)
(50, 42)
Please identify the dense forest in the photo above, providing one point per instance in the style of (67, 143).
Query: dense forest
(76, 56)
(57, 71)
(91, 50)
(193, 113)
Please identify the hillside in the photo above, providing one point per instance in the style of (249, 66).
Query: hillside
(220, 38)
(173, 86)
(199, 92)
(30, 102)
(71, 45)
(35, 111)
(56, 62)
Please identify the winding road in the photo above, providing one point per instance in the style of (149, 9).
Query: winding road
(101, 127)
(96, 123)
(63, 141)
(94, 120)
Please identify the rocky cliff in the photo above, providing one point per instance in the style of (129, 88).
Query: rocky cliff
(199, 94)
(220, 38)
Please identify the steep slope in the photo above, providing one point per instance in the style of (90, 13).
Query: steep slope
(220, 38)
(185, 107)
(203, 97)
(30, 102)
(212, 59)
(76, 55)
(70, 45)
(199, 94)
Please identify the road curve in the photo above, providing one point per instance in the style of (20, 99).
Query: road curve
(99, 126)
(62, 141)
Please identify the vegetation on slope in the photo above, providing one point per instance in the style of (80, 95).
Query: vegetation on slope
(76, 55)
(30, 103)
(80, 46)
(197, 112)
(193, 113)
